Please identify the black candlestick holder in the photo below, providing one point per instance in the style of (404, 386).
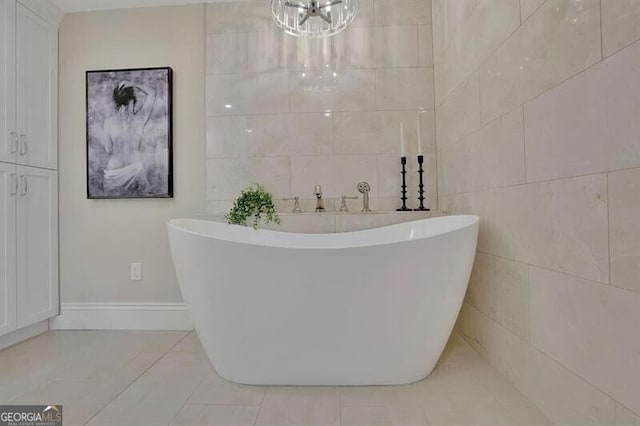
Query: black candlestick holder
(404, 208)
(421, 185)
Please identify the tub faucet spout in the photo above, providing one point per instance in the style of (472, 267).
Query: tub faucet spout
(319, 202)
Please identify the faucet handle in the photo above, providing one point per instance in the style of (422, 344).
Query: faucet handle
(296, 205)
(343, 205)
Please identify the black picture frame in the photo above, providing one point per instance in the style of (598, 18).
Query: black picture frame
(144, 178)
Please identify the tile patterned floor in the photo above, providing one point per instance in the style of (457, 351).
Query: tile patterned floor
(161, 378)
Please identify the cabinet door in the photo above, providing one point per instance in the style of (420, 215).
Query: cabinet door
(8, 191)
(36, 53)
(37, 245)
(8, 133)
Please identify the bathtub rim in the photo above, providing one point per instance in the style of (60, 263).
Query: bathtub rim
(379, 236)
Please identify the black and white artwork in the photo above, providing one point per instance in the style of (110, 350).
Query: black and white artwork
(129, 153)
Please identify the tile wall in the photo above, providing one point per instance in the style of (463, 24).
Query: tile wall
(538, 132)
(294, 113)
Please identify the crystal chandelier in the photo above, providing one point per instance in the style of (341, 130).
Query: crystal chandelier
(314, 18)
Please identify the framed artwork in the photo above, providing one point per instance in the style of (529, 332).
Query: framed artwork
(129, 133)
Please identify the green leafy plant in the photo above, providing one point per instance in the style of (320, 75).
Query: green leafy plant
(253, 203)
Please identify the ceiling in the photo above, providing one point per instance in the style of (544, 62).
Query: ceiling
(68, 6)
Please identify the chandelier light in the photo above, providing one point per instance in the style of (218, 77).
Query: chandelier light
(313, 18)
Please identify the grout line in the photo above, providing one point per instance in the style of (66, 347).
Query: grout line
(608, 186)
(601, 34)
(520, 9)
(546, 268)
(339, 406)
(551, 180)
(555, 85)
(186, 401)
(524, 147)
(529, 318)
(435, 118)
(139, 376)
(480, 62)
(317, 112)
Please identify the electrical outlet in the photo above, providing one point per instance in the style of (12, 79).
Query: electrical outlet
(136, 271)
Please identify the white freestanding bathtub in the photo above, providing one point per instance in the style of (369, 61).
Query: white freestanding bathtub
(372, 307)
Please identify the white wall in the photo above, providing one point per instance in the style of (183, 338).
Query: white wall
(292, 113)
(537, 107)
(98, 238)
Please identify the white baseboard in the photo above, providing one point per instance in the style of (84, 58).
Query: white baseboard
(122, 316)
(24, 333)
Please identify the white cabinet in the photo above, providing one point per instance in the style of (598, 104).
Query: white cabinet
(28, 162)
(36, 97)
(8, 190)
(37, 244)
(8, 131)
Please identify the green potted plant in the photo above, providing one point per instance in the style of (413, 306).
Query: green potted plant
(253, 203)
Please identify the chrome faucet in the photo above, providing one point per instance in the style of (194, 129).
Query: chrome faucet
(319, 203)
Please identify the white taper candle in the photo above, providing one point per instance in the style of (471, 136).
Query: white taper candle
(402, 145)
(419, 139)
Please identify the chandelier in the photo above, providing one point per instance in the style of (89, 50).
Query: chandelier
(314, 18)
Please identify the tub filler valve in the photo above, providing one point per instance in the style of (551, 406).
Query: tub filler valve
(343, 206)
(319, 202)
(296, 204)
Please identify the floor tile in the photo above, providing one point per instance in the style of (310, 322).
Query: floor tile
(122, 377)
(216, 415)
(216, 390)
(383, 416)
(293, 405)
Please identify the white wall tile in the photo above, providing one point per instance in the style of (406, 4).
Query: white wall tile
(279, 90)
(625, 417)
(270, 51)
(527, 7)
(588, 124)
(319, 91)
(289, 134)
(404, 88)
(563, 396)
(560, 225)
(227, 53)
(561, 39)
(356, 222)
(365, 17)
(378, 132)
(226, 137)
(338, 175)
(491, 157)
(499, 288)
(620, 24)
(487, 25)
(459, 115)
(226, 177)
(624, 228)
(277, 50)
(591, 329)
(247, 93)
(403, 12)
(239, 17)
(504, 350)
(307, 223)
(425, 45)
(378, 47)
